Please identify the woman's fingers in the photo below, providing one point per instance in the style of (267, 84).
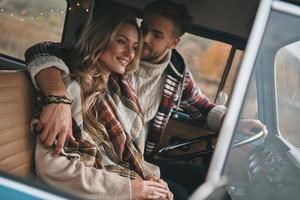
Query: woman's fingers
(160, 190)
(156, 184)
(152, 196)
(142, 189)
(157, 192)
(161, 181)
(170, 195)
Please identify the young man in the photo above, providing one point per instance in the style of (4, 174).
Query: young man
(160, 82)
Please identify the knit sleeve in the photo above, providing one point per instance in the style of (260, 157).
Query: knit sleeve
(74, 172)
(44, 55)
(198, 105)
(151, 169)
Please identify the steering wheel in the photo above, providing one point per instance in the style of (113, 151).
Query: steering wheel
(259, 134)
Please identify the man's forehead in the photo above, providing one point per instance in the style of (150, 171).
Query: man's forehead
(150, 16)
(152, 27)
(157, 23)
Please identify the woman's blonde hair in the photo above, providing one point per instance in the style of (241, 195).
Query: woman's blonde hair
(98, 34)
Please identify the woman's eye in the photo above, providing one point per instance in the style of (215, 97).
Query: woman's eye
(121, 41)
(157, 36)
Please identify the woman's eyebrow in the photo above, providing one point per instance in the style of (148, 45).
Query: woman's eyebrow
(124, 36)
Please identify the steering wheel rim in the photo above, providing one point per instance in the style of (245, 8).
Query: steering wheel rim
(248, 140)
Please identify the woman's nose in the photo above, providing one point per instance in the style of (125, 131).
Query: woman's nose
(129, 52)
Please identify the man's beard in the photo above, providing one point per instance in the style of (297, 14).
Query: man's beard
(151, 56)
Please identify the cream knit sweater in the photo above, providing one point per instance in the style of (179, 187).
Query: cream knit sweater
(148, 82)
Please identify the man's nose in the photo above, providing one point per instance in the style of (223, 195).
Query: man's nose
(147, 37)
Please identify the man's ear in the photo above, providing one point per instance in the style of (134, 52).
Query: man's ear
(174, 42)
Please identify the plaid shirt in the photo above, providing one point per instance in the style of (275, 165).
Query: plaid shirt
(178, 81)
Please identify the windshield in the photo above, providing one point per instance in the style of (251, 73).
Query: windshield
(287, 69)
(268, 167)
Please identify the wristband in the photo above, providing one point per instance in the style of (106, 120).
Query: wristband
(53, 99)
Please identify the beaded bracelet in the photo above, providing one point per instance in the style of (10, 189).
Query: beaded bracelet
(53, 99)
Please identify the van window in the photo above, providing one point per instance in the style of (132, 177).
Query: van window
(287, 69)
(24, 23)
(206, 60)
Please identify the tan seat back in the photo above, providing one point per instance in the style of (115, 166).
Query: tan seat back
(16, 140)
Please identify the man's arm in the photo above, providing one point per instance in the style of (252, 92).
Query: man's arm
(50, 81)
(55, 121)
(45, 65)
(198, 105)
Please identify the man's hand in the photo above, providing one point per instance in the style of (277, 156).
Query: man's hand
(247, 126)
(55, 123)
(55, 120)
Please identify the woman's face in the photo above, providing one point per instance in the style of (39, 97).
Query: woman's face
(121, 51)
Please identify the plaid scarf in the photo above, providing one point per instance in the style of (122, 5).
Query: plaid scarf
(123, 130)
(120, 114)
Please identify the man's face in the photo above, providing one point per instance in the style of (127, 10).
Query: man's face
(159, 37)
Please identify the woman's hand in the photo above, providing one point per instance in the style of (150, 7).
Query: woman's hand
(159, 180)
(149, 189)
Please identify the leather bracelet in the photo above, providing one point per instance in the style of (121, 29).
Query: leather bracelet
(54, 99)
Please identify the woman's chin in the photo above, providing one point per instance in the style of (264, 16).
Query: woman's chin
(120, 71)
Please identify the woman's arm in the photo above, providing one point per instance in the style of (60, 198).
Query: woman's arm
(74, 177)
(74, 173)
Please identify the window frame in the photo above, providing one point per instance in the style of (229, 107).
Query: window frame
(180, 115)
(215, 178)
(215, 173)
(9, 62)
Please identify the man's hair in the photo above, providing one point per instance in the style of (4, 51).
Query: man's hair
(177, 13)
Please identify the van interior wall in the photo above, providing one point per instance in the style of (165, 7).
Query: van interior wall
(17, 142)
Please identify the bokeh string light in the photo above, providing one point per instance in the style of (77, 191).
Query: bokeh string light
(41, 14)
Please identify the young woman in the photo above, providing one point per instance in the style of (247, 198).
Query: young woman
(106, 160)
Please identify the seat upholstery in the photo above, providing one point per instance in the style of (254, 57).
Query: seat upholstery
(16, 140)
